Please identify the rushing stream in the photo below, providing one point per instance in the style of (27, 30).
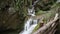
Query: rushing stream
(31, 22)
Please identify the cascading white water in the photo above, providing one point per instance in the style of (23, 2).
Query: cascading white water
(31, 12)
(29, 27)
(31, 23)
(27, 24)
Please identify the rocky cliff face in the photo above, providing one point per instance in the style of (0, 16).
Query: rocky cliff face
(10, 18)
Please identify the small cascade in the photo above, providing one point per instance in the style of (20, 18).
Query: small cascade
(31, 23)
(31, 11)
(29, 27)
(27, 24)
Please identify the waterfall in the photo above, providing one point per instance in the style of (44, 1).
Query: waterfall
(31, 11)
(27, 24)
(31, 23)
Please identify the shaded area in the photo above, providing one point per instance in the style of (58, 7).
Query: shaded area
(57, 32)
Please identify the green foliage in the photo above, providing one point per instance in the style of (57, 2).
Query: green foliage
(20, 6)
(48, 15)
(45, 5)
(40, 12)
(36, 28)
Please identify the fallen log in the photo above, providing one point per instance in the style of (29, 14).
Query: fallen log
(42, 29)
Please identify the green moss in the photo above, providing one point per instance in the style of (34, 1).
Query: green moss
(40, 12)
(47, 17)
(36, 28)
